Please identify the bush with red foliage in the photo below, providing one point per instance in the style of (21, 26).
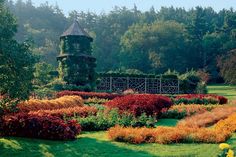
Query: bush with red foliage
(68, 112)
(86, 95)
(140, 103)
(200, 98)
(34, 126)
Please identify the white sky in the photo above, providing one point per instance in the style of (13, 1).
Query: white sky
(99, 6)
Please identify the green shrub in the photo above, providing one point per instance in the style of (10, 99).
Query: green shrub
(175, 114)
(189, 82)
(204, 101)
(106, 119)
(201, 88)
(43, 93)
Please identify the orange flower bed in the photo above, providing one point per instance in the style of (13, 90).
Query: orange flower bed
(208, 118)
(181, 133)
(228, 124)
(68, 112)
(59, 103)
(167, 135)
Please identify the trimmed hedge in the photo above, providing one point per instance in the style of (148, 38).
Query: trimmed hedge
(168, 135)
(68, 112)
(167, 76)
(206, 119)
(59, 103)
(200, 99)
(43, 127)
(86, 95)
(140, 103)
(182, 111)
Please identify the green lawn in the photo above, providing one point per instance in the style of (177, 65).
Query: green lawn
(167, 122)
(97, 144)
(224, 90)
(90, 144)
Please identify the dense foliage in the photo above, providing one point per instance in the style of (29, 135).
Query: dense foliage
(140, 103)
(59, 103)
(68, 112)
(183, 110)
(170, 38)
(169, 135)
(34, 126)
(86, 95)
(227, 64)
(207, 118)
(16, 64)
(110, 118)
(200, 99)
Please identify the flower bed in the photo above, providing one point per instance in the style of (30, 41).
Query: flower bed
(86, 95)
(34, 126)
(200, 99)
(103, 120)
(228, 124)
(180, 134)
(95, 101)
(208, 118)
(68, 112)
(59, 103)
(167, 135)
(140, 103)
(182, 111)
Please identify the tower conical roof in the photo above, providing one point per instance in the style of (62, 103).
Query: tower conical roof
(75, 30)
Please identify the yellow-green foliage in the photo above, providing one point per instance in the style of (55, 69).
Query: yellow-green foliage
(59, 103)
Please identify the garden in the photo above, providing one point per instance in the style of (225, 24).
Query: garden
(143, 85)
(89, 124)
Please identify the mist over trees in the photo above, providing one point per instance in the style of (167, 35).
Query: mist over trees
(152, 41)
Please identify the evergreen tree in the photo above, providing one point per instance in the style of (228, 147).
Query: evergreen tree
(16, 64)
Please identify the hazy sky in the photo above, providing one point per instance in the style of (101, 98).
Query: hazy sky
(106, 5)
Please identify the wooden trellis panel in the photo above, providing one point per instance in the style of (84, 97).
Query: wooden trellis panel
(141, 85)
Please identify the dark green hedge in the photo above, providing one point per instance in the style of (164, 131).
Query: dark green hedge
(137, 75)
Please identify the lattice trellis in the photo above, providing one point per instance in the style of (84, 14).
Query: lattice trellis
(104, 84)
(169, 86)
(119, 84)
(141, 85)
(137, 84)
(153, 86)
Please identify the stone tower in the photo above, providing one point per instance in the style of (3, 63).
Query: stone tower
(76, 64)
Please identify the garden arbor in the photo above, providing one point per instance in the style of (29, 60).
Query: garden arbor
(76, 64)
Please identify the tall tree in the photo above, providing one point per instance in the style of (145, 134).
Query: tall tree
(16, 64)
(227, 64)
(197, 29)
(155, 47)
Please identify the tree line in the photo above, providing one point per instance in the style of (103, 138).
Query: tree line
(151, 42)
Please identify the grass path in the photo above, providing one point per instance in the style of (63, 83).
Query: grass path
(224, 90)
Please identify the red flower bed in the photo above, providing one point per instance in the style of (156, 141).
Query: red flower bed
(34, 126)
(86, 95)
(140, 103)
(206, 97)
(68, 112)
